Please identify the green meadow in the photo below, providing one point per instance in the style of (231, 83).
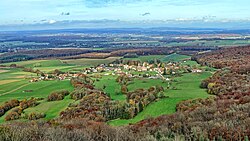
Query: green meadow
(174, 58)
(112, 87)
(91, 62)
(52, 109)
(146, 58)
(187, 87)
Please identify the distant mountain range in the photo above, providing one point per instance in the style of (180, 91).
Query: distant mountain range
(117, 24)
(154, 31)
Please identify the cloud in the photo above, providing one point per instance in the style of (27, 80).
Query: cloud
(146, 14)
(52, 21)
(208, 18)
(105, 3)
(65, 13)
(187, 2)
(44, 21)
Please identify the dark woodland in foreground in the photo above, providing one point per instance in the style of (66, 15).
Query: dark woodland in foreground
(223, 117)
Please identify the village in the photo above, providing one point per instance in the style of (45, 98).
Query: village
(132, 69)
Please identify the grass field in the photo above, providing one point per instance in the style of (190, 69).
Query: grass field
(187, 88)
(3, 71)
(39, 89)
(2, 82)
(90, 62)
(45, 65)
(41, 63)
(146, 58)
(62, 65)
(51, 109)
(175, 58)
(112, 87)
(145, 83)
(13, 84)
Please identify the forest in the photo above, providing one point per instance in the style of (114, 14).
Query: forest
(76, 53)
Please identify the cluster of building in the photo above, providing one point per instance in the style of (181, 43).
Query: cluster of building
(159, 69)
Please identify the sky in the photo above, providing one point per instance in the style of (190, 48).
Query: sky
(21, 12)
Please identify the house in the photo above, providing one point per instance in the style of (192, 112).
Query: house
(130, 75)
(145, 64)
(167, 79)
(106, 74)
(41, 78)
(144, 68)
(100, 68)
(34, 80)
(94, 70)
(196, 71)
(126, 67)
(61, 77)
(117, 69)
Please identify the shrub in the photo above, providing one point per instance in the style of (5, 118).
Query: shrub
(58, 95)
(78, 94)
(28, 103)
(18, 110)
(13, 115)
(124, 89)
(35, 116)
(151, 97)
(7, 106)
